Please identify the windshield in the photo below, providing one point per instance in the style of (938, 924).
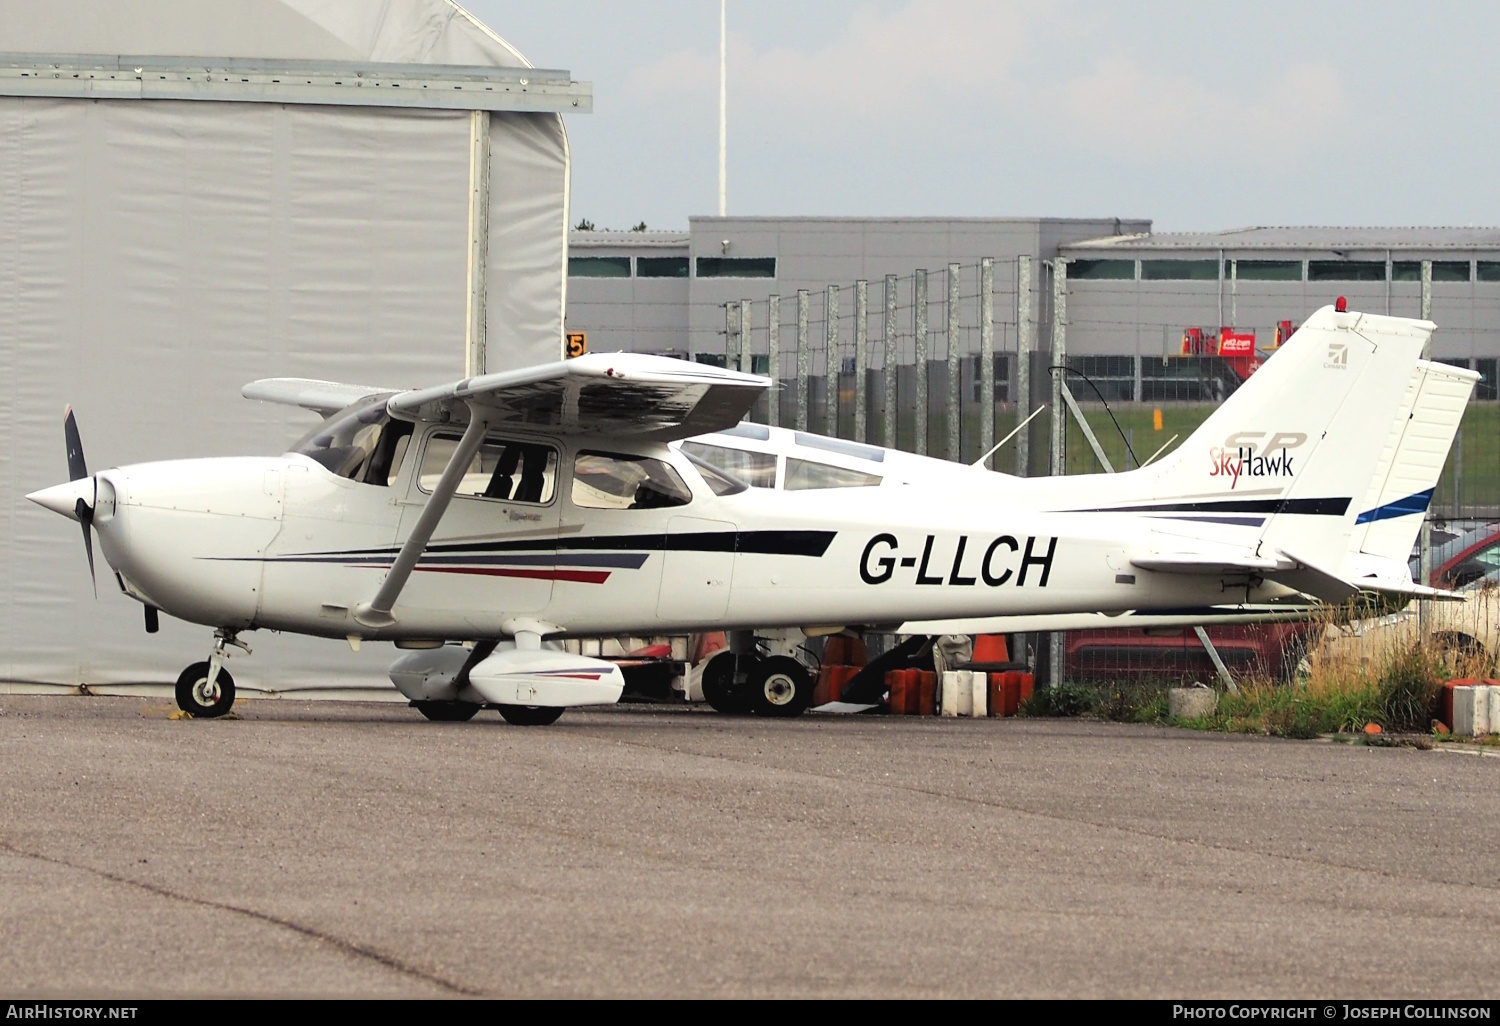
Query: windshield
(360, 443)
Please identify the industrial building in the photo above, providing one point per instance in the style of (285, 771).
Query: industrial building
(1132, 294)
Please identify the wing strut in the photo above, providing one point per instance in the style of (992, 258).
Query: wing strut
(377, 612)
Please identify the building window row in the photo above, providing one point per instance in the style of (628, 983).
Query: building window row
(670, 267)
(1281, 270)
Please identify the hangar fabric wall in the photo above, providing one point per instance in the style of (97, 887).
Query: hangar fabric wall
(155, 255)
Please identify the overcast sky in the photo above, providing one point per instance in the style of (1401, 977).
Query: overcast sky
(1198, 115)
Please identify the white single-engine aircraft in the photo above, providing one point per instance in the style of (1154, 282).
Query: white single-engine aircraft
(512, 509)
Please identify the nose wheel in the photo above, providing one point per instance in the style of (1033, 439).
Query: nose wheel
(206, 690)
(201, 698)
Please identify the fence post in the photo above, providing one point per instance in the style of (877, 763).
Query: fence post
(1059, 421)
(773, 358)
(731, 328)
(919, 313)
(832, 364)
(1025, 342)
(986, 354)
(1057, 466)
(744, 348)
(802, 300)
(892, 364)
(955, 368)
(861, 358)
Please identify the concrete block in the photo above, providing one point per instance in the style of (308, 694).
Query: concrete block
(1471, 711)
(958, 693)
(1494, 709)
(979, 692)
(1191, 703)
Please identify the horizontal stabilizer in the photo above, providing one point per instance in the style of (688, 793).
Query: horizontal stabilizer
(324, 397)
(1210, 566)
(623, 394)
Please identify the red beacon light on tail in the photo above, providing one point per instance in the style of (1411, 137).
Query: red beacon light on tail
(1341, 304)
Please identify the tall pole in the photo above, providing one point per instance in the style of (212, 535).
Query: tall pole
(723, 108)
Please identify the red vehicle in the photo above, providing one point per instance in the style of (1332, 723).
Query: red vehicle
(1264, 650)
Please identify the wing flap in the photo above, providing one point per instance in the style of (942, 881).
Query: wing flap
(628, 394)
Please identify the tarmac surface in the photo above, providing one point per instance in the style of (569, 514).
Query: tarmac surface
(310, 849)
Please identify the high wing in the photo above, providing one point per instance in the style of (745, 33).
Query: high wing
(321, 397)
(619, 394)
(623, 394)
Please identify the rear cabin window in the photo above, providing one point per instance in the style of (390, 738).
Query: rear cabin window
(756, 469)
(504, 470)
(805, 475)
(606, 480)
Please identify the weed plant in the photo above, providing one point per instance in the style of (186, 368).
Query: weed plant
(1348, 681)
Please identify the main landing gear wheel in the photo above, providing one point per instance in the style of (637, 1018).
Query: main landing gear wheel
(530, 715)
(779, 686)
(447, 712)
(194, 697)
(720, 689)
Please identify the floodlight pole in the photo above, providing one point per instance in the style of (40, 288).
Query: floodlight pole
(723, 108)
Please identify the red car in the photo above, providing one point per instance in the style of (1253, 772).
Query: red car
(1264, 650)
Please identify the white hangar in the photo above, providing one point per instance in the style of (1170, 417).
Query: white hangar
(193, 196)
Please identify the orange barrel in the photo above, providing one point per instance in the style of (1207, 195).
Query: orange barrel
(841, 676)
(1028, 687)
(820, 689)
(925, 703)
(1012, 686)
(996, 689)
(895, 680)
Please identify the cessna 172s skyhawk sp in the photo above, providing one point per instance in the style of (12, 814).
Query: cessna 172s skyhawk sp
(513, 508)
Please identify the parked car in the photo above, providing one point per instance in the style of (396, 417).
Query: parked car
(1263, 650)
(1464, 635)
(1463, 559)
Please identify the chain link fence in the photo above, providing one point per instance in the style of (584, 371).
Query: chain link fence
(951, 362)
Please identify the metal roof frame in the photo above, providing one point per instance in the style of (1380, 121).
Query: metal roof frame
(337, 83)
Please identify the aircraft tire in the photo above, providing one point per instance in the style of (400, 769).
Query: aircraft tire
(779, 687)
(720, 690)
(447, 712)
(190, 698)
(530, 715)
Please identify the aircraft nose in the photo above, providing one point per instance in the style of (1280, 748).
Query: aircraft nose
(64, 498)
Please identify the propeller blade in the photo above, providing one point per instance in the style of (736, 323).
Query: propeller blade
(86, 515)
(77, 466)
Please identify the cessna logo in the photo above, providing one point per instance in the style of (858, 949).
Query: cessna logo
(1243, 455)
(1338, 356)
(998, 565)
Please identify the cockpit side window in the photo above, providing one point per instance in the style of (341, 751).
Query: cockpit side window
(607, 480)
(805, 475)
(502, 469)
